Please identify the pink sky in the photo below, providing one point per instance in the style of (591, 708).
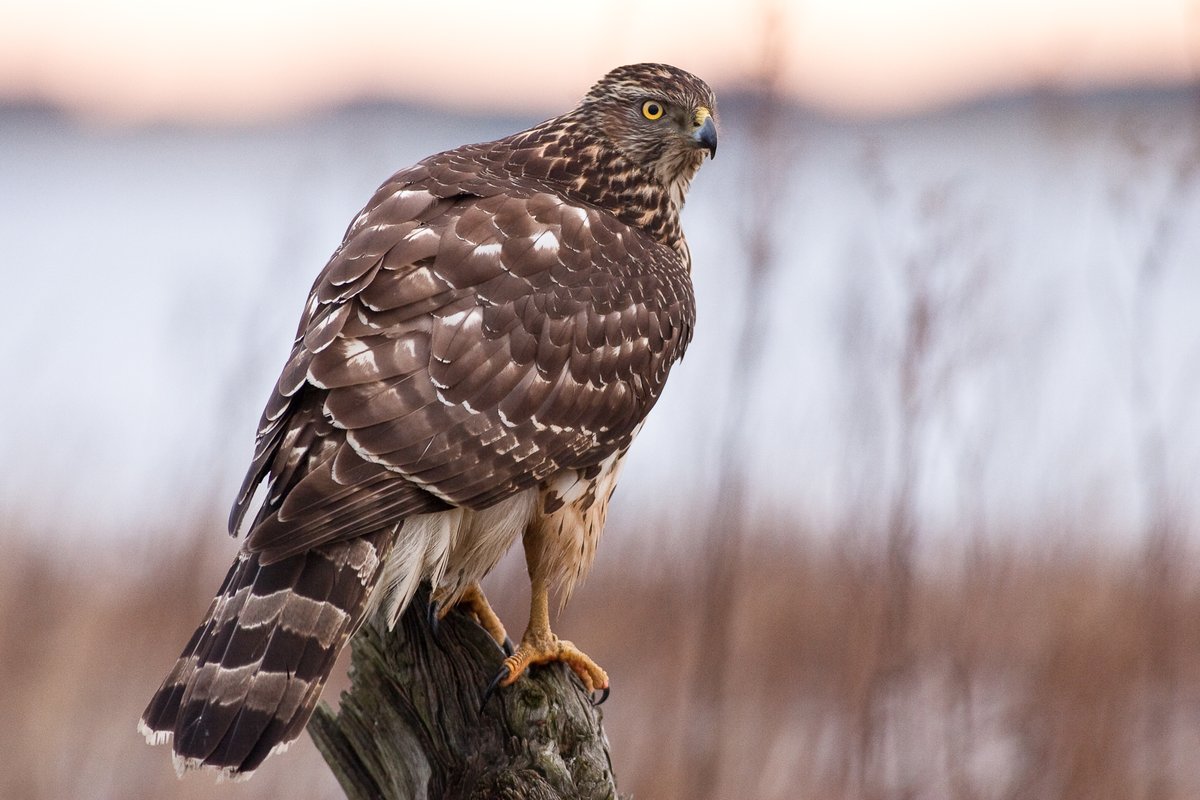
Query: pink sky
(218, 59)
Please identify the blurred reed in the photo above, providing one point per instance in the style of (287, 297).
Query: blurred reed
(1027, 674)
(761, 659)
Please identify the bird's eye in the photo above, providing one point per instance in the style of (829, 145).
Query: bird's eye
(652, 109)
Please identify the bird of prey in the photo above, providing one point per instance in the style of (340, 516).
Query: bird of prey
(470, 368)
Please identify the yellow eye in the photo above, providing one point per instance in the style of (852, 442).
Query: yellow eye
(652, 109)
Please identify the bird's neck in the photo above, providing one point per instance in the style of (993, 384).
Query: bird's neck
(584, 167)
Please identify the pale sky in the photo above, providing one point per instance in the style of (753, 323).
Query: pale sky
(136, 60)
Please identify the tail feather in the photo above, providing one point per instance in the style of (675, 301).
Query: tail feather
(249, 678)
(158, 721)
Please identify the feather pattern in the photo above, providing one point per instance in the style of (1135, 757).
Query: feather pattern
(251, 673)
(475, 359)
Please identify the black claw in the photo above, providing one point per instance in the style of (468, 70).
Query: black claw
(434, 620)
(508, 647)
(603, 697)
(492, 687)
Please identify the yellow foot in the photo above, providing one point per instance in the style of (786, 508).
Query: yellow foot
(475, 604)
(545, 649)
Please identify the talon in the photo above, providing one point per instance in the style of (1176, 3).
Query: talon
(539, 645)
(532, 653)
(603, 697)
(475, 604)
(492, 687)
(509, 648)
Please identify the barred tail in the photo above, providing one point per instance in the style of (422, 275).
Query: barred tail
(250, 676)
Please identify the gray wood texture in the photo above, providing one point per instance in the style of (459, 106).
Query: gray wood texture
(411, 728)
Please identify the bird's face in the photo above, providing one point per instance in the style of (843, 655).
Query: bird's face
(661, 118)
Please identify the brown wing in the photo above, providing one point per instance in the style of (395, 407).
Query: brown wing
(462, 345)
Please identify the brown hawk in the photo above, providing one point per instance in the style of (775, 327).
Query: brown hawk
(471, 367)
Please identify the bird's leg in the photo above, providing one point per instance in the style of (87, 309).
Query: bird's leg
(539, 645)
(476, 604)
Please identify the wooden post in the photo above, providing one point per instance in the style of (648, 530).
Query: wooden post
(411, 727)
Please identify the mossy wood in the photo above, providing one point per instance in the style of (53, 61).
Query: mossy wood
(410, 727)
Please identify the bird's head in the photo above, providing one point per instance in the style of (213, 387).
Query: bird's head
(659, 117)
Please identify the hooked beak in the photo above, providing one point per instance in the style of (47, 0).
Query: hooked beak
(706, 132)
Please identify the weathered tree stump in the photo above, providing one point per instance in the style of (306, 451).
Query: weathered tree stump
(411, 727)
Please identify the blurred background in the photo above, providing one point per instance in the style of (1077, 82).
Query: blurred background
(916, 518)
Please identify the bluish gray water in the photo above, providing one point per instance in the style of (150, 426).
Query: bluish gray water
(1047, 250)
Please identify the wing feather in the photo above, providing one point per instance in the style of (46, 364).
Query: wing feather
(459, 348)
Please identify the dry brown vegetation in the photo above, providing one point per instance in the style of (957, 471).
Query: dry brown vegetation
(1018, 674)
(757, 659)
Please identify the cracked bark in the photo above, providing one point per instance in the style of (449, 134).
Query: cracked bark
(410, 726)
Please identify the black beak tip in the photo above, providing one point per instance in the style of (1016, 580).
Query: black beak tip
(706, 137)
